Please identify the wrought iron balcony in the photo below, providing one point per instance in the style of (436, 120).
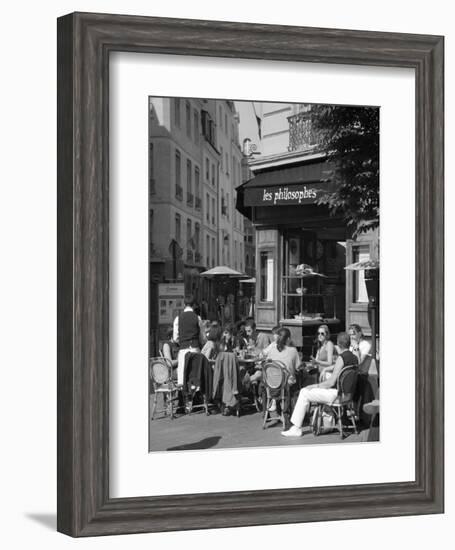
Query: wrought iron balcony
(301, 134)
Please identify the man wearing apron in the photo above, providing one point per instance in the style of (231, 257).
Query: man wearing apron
(188, 332)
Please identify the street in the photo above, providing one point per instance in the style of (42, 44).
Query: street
(198, 431)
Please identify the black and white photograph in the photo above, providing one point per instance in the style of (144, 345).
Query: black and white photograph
(264, 249)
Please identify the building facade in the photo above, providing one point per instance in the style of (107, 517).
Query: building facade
(292, 229)
(194, 168)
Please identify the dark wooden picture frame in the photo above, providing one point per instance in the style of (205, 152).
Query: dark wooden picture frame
(84, 44)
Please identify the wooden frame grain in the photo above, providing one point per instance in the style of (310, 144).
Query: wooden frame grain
(84, 43)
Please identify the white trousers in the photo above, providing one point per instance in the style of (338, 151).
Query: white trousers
(181, 363)
(306, 397)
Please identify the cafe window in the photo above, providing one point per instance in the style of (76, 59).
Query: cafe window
(307, 291)
(266, 276)
(360, 253)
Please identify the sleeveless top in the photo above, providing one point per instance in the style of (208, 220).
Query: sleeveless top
(173, 347)
(349, 359)
(321, 354)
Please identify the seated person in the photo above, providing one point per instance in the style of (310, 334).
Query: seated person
(170, 349)
(253, 339)
(206, 326)
(274, 339)
(228, 342)
(359, 346)
(212, 346)
(240, 334)
(257, 375)
(282, 351)
(325, 392)
(325, 352)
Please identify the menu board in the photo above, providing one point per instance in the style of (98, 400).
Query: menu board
(170, 302)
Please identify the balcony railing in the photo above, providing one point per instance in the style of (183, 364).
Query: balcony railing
(189, 199)
(178, 192)
(197, 203)
(301, 134)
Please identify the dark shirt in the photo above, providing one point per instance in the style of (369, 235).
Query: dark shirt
(349, 359)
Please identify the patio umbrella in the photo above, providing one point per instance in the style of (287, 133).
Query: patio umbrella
(364, 264)
(223, 271)
(305, 270)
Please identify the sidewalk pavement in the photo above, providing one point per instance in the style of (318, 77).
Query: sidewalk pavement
(198, 431)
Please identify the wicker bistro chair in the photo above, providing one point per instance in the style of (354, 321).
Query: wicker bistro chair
(163, 384)
(343, 404)
(275, 381)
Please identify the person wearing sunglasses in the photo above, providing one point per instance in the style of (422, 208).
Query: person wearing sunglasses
(325, 351)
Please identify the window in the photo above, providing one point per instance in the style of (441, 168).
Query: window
(225, 124)
(178, 228)
(227, 205)
(266, 277)
(359, 254)
(197, 188)
(188, 233)
(307, 296)
(223, 203)
(189, 184)
(197, 236)
(235, 254)
(221, 117)
(207, 169)
(207, 251)
(177, 111)
(178, 176)
(196, 126)
(227, 164)
(221, 159)
(207, 207)
(213, 175)
(213, 211)
(213, 252)
(188, 119)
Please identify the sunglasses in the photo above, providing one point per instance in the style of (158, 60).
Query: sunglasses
(321, 333)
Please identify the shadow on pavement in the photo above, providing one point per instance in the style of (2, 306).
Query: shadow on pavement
(205, 443)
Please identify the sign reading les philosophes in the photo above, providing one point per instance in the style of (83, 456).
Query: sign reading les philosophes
(286, 194)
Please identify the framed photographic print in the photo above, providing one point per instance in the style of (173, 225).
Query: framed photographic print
(231, 200)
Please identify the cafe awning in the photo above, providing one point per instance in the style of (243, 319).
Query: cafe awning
(295, 185)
